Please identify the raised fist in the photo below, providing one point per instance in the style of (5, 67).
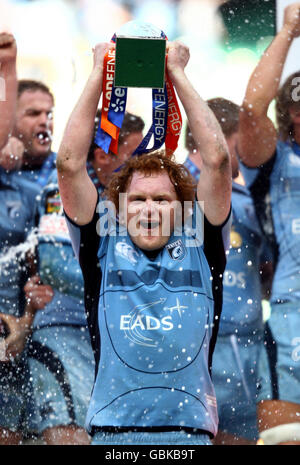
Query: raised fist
(178, 56)
(11, 156)
(292, 19)
(8, 48)
(100, 51)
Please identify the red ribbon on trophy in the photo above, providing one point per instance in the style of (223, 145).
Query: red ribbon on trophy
(166, 116)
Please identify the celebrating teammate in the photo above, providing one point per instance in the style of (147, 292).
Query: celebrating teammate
(275, 189)
(152, 296)
(8, 85)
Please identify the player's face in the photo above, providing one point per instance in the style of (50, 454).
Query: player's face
(150, 205)
(34, 125)
(131, 142)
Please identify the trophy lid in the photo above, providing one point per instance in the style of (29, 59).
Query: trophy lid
(140, 62)
(137, 28)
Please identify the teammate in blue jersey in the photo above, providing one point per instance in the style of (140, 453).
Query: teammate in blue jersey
(240, 336)
(153, 283)
(61, 359)
(16, 219)
(34, 127)
(275, 187)
(226, 113)
(8, 85)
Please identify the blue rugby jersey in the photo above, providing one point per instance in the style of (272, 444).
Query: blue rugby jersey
(153, 324)
(242, 311)
(41, 174)
(17, 197)
(57, 264)
(276, 192)
(193, 169)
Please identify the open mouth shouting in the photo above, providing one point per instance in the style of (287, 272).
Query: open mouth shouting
(44, 137)
(149, 226)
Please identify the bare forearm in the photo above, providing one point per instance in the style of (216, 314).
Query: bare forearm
(78, 193)
(204, 126)
(257, 133)
(214, 186)
(265, 80)
(79, 130)
(8, 93)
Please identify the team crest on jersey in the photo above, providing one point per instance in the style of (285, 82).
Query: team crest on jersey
(176, 250)
(126, 251)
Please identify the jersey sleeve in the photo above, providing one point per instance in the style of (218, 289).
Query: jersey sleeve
(85, 239)
(253, 176)
(258, 181)
(216, 243)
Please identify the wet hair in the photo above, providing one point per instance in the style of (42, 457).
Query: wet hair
(227, 114)
(33, 86)
(284, 100)
(131, 123)
(189, 142)
(153, 163)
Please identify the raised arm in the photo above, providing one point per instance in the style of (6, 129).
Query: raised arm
(214, 187)
(8, 85)
(78, 193)
(257, 133)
